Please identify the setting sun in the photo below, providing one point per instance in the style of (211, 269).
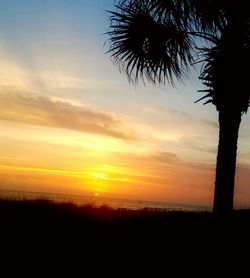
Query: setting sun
(96, 181)
(97, 175)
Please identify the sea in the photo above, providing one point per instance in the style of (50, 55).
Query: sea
(98, 201)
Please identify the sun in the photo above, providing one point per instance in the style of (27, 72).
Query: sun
(98, 175)
(97, 181)
(104, 178)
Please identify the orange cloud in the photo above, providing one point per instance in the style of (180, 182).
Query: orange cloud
(44, 111)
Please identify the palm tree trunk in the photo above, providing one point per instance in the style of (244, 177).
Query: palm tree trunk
(229, 123)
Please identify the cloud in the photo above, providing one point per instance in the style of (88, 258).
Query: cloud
(165, 158)
(31, 108)
(172, 116)
(161, 161)
(200, 143)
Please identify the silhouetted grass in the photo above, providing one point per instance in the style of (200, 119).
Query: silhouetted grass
(45, 212)
(60, 233)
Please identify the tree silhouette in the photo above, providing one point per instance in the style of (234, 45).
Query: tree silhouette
(159, 40)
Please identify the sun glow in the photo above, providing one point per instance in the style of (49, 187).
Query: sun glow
(96, 180)
(98, 175)
(105, 178)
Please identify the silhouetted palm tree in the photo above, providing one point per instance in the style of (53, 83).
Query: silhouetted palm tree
(160, 39)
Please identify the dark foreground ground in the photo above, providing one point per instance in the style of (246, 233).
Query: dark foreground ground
(41, 237)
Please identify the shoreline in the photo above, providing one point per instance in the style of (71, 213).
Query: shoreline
(113, 202)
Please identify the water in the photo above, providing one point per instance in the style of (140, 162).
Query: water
(115, 203)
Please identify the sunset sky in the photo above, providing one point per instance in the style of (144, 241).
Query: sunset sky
(72, 123)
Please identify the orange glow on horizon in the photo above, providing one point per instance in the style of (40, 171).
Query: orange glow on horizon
(104, 178)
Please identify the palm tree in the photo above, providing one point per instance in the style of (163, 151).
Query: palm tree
(159, 40)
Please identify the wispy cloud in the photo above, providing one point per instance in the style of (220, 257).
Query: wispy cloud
(165, 158)
(170, 175)
(175, 116)
(200, 143)
(31, 108)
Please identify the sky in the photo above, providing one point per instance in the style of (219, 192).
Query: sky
(72, 123)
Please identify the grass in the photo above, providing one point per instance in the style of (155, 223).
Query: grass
(66, 233)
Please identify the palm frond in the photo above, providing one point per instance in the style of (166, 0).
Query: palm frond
(158, 40)
(143, 44)
(208, 16)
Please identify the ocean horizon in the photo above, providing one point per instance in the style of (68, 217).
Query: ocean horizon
(98, 201)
